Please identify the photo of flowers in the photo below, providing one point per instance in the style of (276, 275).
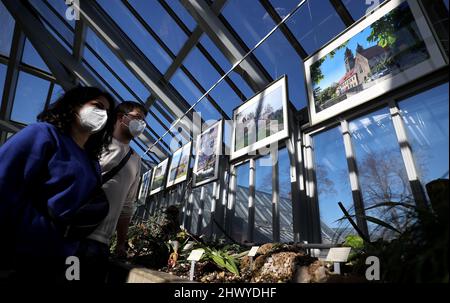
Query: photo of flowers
(159, 176)
(261, 120)
(179, 166)
(208, 151)
(389, 48)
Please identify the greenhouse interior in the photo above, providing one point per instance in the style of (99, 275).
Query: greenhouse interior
(216, 141)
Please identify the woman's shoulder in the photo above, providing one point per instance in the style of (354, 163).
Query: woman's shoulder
(39, 131)
(42, 126)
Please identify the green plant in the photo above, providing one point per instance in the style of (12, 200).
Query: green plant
(147, 240)
(222, 259)
(419, 251)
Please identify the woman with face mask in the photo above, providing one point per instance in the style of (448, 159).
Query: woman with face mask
(121, 191)
(52, 164)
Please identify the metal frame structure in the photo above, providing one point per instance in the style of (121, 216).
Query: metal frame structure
(166, 103)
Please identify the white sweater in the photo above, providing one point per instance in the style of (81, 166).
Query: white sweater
(121, 190)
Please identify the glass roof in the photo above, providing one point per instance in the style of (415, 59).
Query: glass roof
(7, 30)
(183, 57)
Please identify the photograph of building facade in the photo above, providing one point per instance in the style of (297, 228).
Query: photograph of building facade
(324, 126)
(388, 47)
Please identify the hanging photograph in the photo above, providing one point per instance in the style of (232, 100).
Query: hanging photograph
(159, 176)
(207, 155)
(145, 186)
(262, 120)
(179, 166)
(387, 49)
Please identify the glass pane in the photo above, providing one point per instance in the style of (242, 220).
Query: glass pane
(285, 205)
(191, 94)
(137, 33)
(157, 128)
(140, 148)
(31, 57)
(61, 8)
(54, 20)
(358, 8)
(102, 70)
(279, 58)
(182, 13)
(195, 208)
(93, 71)
(226, 98)
(382, 173)
(161, 22)
(7, 30)
(426, 120)
(249, 19)
(119, 68)
(212, 49)
(31, 94)
(163, 109)
(206, 226)
(3, 69)
(57, 92)
(333, 185)
(314, 24)
(262, 233)
(240, 218)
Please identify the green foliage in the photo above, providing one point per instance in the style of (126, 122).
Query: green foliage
(354, 241)
(326, 94)
(420, 251)
(222, 259)
(147, 240)
(316, 72)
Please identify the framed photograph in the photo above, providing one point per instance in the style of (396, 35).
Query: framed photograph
(145, 186)
(260, 121)
(389, 48)
(159, 177)
(207, 154)
(179, 166)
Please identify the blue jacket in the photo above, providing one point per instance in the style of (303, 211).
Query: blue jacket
(42, 166)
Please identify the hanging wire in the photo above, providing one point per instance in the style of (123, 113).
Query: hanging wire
(227, 73)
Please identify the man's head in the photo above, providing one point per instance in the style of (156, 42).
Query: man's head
(130, 119)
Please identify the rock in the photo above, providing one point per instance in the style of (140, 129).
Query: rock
(264, 249)
(277, 267)
(320, 274)
(302, 275)
(259, 262)
(245, 263)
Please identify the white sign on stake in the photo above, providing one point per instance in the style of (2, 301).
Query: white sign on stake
(196, 254)
(253, 251)
(338, 254)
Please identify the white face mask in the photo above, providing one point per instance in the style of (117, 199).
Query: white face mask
(93, 119)
(136, 127)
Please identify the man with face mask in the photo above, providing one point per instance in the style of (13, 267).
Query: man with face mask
(121, 191)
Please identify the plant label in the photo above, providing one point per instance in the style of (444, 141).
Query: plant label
(196, 255)
(338, 254)
(253, 251)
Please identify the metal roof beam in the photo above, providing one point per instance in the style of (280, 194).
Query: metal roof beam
(134, 59)
(226, 42)
(284, 29)
(343, 12)
(60, 62)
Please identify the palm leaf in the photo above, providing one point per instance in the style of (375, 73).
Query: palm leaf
(381, 223)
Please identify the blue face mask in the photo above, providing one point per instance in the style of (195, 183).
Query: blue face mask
(136, 127)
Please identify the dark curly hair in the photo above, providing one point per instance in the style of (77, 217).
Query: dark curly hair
(62, 114)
